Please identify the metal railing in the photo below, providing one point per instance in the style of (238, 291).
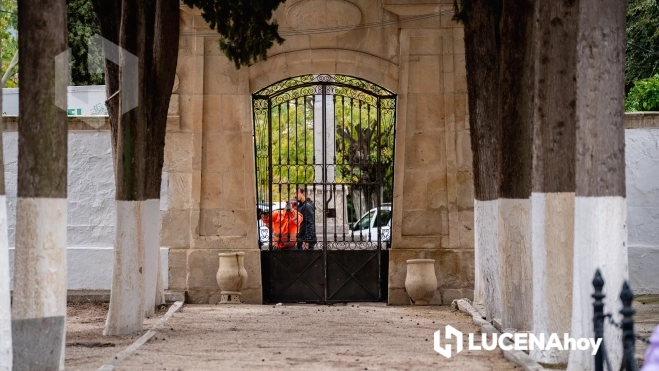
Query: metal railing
(629, 338)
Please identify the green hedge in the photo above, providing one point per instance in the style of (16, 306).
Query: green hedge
(644, 96)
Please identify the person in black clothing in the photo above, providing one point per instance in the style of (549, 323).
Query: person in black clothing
(307, 237)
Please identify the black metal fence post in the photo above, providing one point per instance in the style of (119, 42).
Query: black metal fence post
(628, 338)
(598, 317)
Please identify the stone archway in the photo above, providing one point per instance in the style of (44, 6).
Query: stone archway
(324, 61)
(209, 160)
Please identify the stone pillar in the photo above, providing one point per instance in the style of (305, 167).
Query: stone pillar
(180, 169)
(209, 167)
(433, 189)
(330, 133)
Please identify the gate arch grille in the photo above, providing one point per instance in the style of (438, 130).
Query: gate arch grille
(334, 136)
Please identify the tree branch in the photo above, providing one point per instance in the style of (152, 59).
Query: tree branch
(9, 73)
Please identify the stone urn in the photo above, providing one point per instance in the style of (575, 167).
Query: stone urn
(231, 276)
(243, 271)
(421, 282)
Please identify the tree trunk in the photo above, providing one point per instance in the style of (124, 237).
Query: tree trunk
(553, 171)
(5, 300)
(600, 204)
(516, 115)
(149, 31)
(482, 62)
(109, 15)
(40, 260)
(160, 82)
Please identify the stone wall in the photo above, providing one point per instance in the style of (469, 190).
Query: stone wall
(209, 164)
(642, 165)
(209, 156)
(433, 192)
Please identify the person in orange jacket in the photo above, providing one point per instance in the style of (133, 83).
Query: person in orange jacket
(284, 225)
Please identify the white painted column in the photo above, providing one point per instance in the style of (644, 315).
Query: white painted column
(40, 261)
(600, 241)
(478, 280)
(515, 263)
(151, 231)
(486, 226)
(5, 304)
(553, 242)
(126, 311)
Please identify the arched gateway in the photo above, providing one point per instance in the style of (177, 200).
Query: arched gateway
(211, 170)
(332, 135)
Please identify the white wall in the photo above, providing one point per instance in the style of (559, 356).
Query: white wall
(91, 208)
(642, 159)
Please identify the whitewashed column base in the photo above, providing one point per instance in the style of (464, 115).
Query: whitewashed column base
(553, 243)
(126, 311)
(515, 263)
(486, 226)
(151, 231)
(40, 262)
(600, 241)
(479, 294)
(5, 301)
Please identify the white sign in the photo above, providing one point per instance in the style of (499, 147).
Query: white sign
(518, 341)
(82, 101)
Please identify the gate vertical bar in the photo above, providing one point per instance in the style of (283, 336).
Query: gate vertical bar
(256, 158)
(270, 170)
(380, 183)
(598, 318)
(628, 338)
(324, 180)
(297, 147)
(270, 192)
(333, 136)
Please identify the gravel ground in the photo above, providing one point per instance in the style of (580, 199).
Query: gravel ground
(645, 321)
(304, 337)
(354, 336)
(86, 347)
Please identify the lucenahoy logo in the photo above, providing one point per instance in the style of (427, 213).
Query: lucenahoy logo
(508, 341)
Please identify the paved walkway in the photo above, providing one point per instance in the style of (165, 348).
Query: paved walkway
(305, 337)
(645, 321)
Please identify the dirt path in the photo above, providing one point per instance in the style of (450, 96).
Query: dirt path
(304, 337)
(86, 347)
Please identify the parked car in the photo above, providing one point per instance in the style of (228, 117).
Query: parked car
(366, 228)
(264, 232)
(262, 207)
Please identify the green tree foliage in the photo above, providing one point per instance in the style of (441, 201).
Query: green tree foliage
(8, 27)
(642, 60)
(644, 96)
(246, 28)
(364, 145)
(82, 26)
(292, 147)
(292, 141)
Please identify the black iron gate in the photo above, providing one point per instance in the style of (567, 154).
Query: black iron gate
(332, 135)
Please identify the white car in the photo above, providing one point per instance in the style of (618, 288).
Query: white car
(366, 228)
(264, 232)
